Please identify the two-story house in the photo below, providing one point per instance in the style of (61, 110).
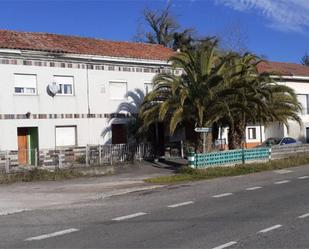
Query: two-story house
(295, 76)
(58, 90)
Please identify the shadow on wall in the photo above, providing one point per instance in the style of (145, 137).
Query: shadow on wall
(126, 112)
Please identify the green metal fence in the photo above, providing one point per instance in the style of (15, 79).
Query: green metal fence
(231, 157)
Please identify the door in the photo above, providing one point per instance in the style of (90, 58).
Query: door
(119, 134)
(33, 144)
(22, 134)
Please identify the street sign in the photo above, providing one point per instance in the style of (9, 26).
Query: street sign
(202, 129)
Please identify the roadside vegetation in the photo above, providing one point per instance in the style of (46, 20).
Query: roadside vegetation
(38, 174)
(215, 88)
(186, 174)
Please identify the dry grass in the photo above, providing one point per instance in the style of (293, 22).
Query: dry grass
(38, 174)
(189, 174)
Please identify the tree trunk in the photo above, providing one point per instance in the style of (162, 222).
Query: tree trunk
(236, 135)
(209, 142)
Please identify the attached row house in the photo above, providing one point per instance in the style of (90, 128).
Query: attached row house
(295, 76)
(58, 90)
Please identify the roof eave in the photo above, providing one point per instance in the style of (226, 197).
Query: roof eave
(85, 57)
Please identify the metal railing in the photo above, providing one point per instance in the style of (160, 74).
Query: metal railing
(231, 157)
(74, 156)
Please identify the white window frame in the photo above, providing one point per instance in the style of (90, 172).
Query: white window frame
(25, 93)
(66, 126)
(60, 93)
(125, 97)
(249, 135)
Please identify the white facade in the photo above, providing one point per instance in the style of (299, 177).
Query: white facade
(95, 92)
(92, 90)
(255, 134)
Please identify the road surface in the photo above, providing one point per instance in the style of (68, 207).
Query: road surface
(264, 210)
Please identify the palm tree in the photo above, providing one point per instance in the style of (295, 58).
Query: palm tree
(256, 97)
(215, 90)
(182, 100)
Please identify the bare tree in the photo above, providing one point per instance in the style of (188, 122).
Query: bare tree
(305, 60)
(234, 38)
(161, 27)
(183, 40)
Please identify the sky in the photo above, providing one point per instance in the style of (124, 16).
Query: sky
(275, 29)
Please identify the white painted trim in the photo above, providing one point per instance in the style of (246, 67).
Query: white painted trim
(303, 177)
(282, 182)
(13, 211)
(128, 216)
(116, 59)
(270, 228)
(253, 188)
(303, 216)
(283, 171)
(180, 204)
(226, 245)
(49, 235)
(10, 51)
(287, 77)
(222, 195)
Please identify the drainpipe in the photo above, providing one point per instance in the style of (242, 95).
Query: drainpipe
(87, 80)
(88, 101)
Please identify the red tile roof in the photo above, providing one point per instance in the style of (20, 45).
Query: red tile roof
(80, 45)
(90, 46)
(285, 69)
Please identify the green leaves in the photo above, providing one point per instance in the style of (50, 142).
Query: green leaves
(222, 89)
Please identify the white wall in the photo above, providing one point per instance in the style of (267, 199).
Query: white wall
(274, 130)
(296, 131)
(89, 131)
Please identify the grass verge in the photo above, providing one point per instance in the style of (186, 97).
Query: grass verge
(188, 174)
(38, 174)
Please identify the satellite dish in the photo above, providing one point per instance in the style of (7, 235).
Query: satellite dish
(53, 88)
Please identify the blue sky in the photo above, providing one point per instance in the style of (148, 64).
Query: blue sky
(278, 29)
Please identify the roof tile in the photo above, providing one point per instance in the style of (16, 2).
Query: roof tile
(283, 68)
(80, 45)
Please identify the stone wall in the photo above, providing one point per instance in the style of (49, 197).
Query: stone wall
(79, 156)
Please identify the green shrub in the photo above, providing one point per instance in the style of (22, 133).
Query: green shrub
(189, 174)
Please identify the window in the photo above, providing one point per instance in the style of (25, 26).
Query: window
(251, 133)
(126, 69)
(65, 136)
(66, 84)
(118, 90)
(303, 99)
(119, 134)
(148, 88)
(25, 84)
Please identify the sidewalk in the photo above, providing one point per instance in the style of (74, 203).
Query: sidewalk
(24, 196)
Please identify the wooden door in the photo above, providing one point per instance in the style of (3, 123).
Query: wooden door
(22, 146)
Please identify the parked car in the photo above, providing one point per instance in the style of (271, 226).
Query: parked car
(279, 141)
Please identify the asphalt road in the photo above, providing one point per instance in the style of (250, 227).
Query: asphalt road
(265, 210)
